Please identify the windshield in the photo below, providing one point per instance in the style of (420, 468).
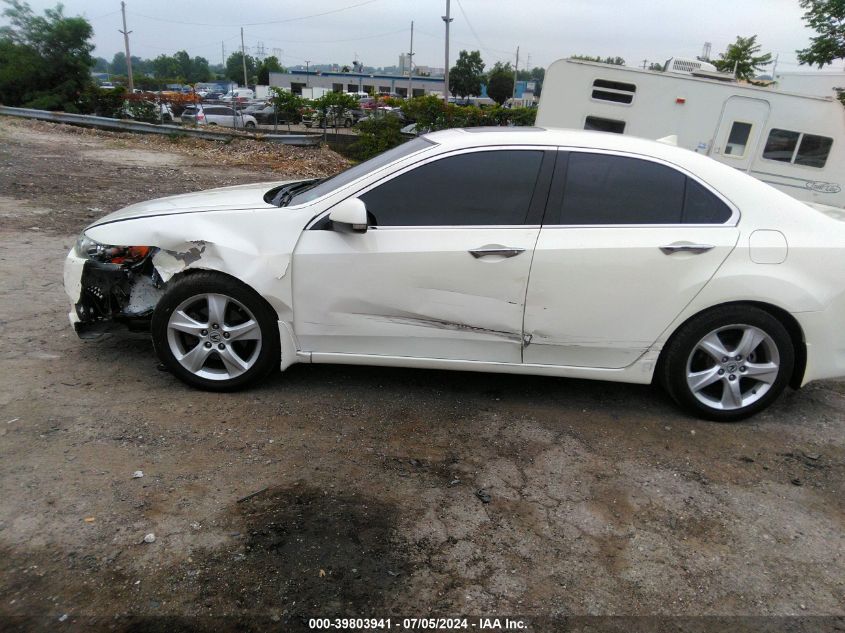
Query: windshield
(353, 173)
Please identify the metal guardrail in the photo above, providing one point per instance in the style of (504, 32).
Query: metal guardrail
(120, 125)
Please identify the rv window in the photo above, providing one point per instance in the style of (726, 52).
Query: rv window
(615, 91)
(604, 125)
(781, 145)
(738, 139)
(813, 151)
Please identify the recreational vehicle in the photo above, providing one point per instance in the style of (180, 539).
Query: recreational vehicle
(792, 141)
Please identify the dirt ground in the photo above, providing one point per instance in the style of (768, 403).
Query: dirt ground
(604, 499)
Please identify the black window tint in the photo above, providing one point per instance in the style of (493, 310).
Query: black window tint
(604, 125)
(480, 188)
(813, 151)
(602, 189)
(781, 145)
(702, 207)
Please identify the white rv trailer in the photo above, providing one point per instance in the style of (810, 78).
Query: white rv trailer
(791, 141)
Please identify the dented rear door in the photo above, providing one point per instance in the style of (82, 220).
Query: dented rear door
(415, 285)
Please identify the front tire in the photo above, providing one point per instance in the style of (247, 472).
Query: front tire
(215, 333)
(728, 363)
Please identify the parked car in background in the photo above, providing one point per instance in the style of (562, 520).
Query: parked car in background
(239, 94)
(265, 114)
(221, 115)
(521, 250)
(313, 118)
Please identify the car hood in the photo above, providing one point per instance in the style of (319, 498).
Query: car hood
(224, 198)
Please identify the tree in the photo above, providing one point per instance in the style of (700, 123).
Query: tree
(45, 61)
(656, 67)
(500, 83)
(286, 104)
(827, 18)
(333, 107)
(613, 61)
(466, 75)
(269, 65)
(742, 56)
(235, 69)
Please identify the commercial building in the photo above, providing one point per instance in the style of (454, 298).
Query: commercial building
(296, 80)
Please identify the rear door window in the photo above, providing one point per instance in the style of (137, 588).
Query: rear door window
(605, 189)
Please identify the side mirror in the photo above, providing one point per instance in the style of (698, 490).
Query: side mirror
(350, 215)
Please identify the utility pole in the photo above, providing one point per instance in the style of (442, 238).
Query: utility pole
(515, 71)
(126, 43)
(645, 63)
(447, 19)
(411, 62)
(775, 67)
(307, 63)
(223, 52)
(243, 58)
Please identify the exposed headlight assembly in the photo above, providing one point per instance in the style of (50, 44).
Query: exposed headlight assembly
(91, 249)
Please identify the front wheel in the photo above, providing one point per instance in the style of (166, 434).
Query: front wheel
(215, 333)
(729, 363)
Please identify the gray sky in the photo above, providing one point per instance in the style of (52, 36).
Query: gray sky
(379, 30)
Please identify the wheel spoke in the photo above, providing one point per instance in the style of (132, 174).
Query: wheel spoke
(698, 380)
(731, 395)
(764, 372)
(180, 321)
(249, 331)
(194, 360)
(235, 365)
(217, 308)
(713, 346)
(751, 338)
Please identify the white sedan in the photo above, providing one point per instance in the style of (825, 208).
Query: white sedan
(518, 250)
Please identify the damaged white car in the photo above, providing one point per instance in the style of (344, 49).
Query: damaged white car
(550, 252)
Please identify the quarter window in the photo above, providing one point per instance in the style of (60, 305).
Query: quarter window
(480, 188)
(605, 189)
(797, 148)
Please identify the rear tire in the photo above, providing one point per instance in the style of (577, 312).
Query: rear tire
(728, 363)
(249, 125)
(215, 333)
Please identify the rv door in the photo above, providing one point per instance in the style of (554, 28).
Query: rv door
(740, 131)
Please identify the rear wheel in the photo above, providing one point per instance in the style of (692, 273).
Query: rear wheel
(215, 333)
(729, 363)
(249, 125)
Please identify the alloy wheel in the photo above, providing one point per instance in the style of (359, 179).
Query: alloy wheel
(732, 367)
(214, 336)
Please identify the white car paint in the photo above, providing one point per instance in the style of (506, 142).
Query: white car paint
(597, 302)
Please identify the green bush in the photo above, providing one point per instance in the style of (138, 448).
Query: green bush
(376, 135)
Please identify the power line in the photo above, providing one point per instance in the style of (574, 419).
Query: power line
(350, 39)
(304, 17)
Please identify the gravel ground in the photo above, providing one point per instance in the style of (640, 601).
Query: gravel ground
(355, 491)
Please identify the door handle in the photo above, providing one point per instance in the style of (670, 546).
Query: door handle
(686, 247)
(486, 251)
